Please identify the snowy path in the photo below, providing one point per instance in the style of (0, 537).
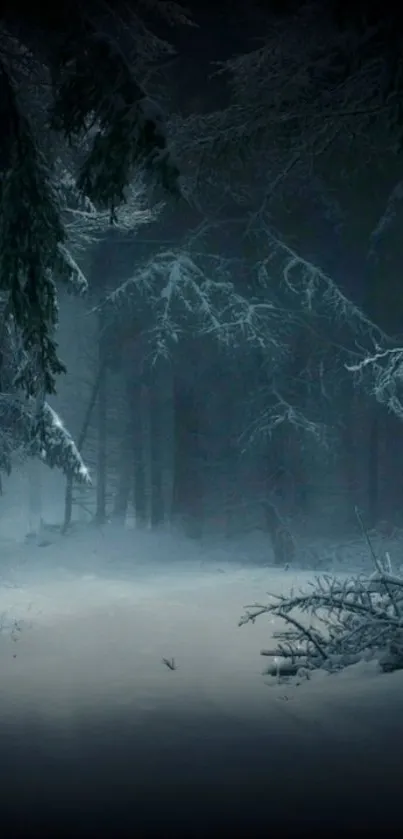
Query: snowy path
(93, 726)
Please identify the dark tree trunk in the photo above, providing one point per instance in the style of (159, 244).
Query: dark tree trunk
(68, 505)
(68, 500)
(187, 491)
(373, 472)
(100, 514)
(349, 454)
(281, 538)
(35, 495)
(121, 501)
(301, 482)
(377, 310)
(276, 467)
(156, 433)
(160, 406)
(137, 400)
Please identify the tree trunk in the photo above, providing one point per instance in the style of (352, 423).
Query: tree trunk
(376, 302)
(187, 493)
(121, 501)
(349, 453)
(100, 514)
(276, 466)
(35, 496)
(68, 505)
(139, 448)
(373, 472)
(157, 497)
(68, 499)
(281, 538)
(167, 439)
(160, 411)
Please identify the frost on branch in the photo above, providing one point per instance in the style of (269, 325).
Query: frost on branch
(97, 98)
(180, 294)
(280, 411)
(337, 623)
(309, 94)
(85, 224)
(34, 247)
(26, 431)
(312, 288)
(382, 373)
(389, 221)
(365, 349)
(313, 83)
(29, 241)
(55, 446)
(173, 13)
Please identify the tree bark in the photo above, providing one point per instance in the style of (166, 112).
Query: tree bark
(121, 501)
(157, 497)
(373, 471)
(281, 538)
(161, 419)
(68, 500)
(100, 514)
(139, 448)
(35, 495)
(187, 492)
(349, 444)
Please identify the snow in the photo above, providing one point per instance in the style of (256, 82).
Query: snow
(96, 729)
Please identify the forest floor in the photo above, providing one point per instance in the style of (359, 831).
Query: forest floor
(97, 732)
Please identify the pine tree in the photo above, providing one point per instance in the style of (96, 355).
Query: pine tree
(97, 112)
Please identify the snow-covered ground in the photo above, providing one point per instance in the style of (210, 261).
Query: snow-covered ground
(96, 729)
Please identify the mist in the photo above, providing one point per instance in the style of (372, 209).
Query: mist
(201, 366)
(99, 733)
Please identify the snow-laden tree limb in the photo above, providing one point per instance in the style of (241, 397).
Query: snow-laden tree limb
(313, 108)
(85, 224)
(316, 292)
(308, 76)
(280, 412)
(29, 427)
(97, 90)
(389, 219)
(27, 432)
(366, 350)
(55, 446)
(381, 372)
(102, 118)
(336, 623)
(183, 294)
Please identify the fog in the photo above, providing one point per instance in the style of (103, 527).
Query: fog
(201, 408)
(97, 732)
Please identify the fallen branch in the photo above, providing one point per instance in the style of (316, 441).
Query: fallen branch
(348, 620)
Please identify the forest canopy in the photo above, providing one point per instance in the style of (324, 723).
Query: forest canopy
(231, 226)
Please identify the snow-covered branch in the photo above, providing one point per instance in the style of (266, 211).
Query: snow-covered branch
(389, 218)
(307, 76)
(377, 365)
(281, 412)
(85, 224)
(55, 446)
(26, 431)
(311, 96)
(336, 624)
(29, 427)
(317, 293)
(382, 374)
(186, 295)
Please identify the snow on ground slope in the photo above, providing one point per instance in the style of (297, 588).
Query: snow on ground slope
(96, 729)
